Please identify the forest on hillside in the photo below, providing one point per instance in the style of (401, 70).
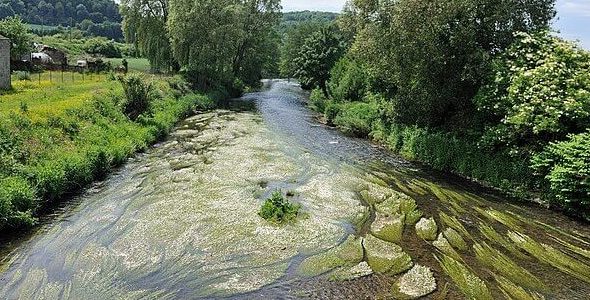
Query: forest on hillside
(96, 18)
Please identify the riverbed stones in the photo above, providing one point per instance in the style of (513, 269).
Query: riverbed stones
(348, 254)
(427, 229)
(385, 257)
(349, 273)
(375, 194)
(416, 283)
(445, 247)
(388, 228)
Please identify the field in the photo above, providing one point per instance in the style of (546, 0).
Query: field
(53, 94)
(135, 64)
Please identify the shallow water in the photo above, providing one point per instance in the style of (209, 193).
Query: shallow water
(180, 221)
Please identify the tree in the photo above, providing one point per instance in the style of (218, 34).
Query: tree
(18, 33)
(292, 43)
(317, 57)
(145, 25)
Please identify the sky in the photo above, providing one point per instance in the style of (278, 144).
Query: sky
(573, 16)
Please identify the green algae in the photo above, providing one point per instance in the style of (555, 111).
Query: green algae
(388, 228)
(385, 257)
(390, 206)
(416, 283)
(375, 194)
(443, 245)
(503, 218)
(573, 248)
(348, 254)
(455, 239)
(552, 256)
(494, 259)
(493, 236)
(513, 291)
(413, 217)
(454, 223)
(467, 282)
(427, 229)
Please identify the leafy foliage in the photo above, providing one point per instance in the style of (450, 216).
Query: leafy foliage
(566, 167)
(317, 57)
(279, 210)
(139, 94)
(102, 46)
(18, 33)
(540, 92)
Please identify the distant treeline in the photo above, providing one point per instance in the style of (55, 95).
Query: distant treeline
(96, 18)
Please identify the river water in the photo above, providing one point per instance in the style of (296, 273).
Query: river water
(180, 222)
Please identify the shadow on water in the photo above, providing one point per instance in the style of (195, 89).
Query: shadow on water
(507, 243)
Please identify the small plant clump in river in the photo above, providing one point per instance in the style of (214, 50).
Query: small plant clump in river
(279, 210)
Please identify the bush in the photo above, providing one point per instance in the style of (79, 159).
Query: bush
(348, 81)
(331, 112)
(539, 92)
(102, 46)
(356, 118)
(17, 201)
(278, 210)
(565, 166)
(139, 93)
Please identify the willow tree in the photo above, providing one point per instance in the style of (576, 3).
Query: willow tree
(144, 25)
(216, 41)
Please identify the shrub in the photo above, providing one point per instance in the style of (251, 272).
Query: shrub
(317, 100)
(278, 210)
(348, 81)
(102, 46)
(331, 112)
(139, 93)
(566, 168)
(356, 118)
(539, 92)
(17, 200)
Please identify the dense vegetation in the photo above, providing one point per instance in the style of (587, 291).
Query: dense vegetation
(480, 88)
(233, 44)
(47, 152)
(96, 18)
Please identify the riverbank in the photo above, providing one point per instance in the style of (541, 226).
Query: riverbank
(61, 136)
(442, 151)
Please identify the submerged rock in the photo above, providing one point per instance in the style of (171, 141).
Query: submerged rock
(388, 228)
(347, 254)
(375, 194)
(427, 229)
(349, 273)
(455, 239)
(385, 257)
(416, 283)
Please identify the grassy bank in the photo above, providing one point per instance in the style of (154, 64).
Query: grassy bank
(56, 138)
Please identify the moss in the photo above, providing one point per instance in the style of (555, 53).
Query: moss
(467, 282)
(498, 216)
(552, 256)
(385, 257)
(494, 259)
(375, 194)
(427, 229)
(413, 217)
(388, 228)
(455, 239)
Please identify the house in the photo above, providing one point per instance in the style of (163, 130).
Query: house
(4, 63)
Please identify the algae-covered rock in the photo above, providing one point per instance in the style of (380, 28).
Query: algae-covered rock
(427, 229)
(350, 273)
(347, 254)
(445, 247)
(416, 283)
(388, 228)
(413, 217)
(390, 206)
(375, 194)
(386, 257)
(455, 239)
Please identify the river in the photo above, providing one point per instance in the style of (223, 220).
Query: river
(180, 222)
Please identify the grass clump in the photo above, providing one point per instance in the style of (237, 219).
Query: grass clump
(467, 282)
(279, 210)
